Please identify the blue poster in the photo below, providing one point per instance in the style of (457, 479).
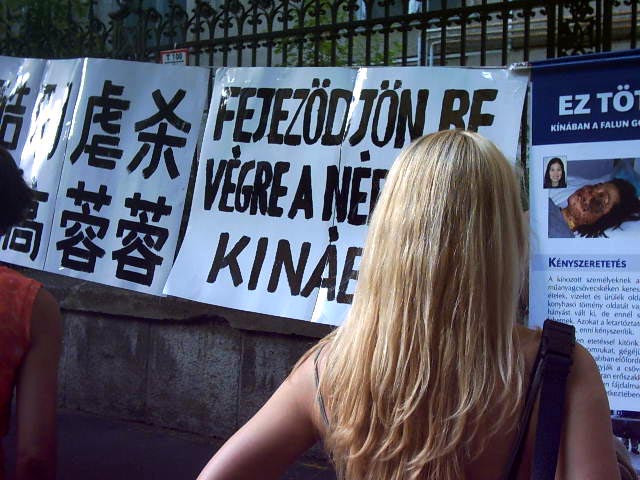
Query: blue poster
(585, 210)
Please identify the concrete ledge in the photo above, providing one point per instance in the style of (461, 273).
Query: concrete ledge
(84, 296)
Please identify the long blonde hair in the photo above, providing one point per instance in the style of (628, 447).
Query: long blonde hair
(428, 348)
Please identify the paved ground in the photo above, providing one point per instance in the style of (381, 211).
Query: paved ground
(94, 448)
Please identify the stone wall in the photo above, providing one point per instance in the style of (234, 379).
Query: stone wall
(169, 362)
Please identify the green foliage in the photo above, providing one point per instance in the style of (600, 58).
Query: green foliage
(43, 28)
(302, 51)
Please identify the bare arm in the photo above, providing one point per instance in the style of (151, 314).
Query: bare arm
(282, 430)
(36, 393)
(587, 452)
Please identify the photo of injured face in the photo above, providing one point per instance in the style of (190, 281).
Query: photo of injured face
(600, 200)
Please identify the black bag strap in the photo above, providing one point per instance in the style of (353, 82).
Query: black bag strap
(557, 360)
(316, 376)
(557, 342)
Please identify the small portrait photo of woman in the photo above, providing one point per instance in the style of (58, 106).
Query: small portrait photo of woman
(555, 174)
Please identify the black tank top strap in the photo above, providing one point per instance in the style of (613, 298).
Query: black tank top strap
(515, 458)
(316, 374)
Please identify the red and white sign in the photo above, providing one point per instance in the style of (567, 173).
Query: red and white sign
(179, 56)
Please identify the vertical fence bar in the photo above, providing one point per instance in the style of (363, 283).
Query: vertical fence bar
(634, 23)
(599, 27)
(551, 30)
(607, 20)
(423, 34)
(463, 35)
(212, 32)
(225, 34)
(172, 25)
(254, 31)
(334, 37)
(527, 32)
(483, 34)
(285, 27)
(561, 42)
(506, 17)
(115, 37)
(443, 33)
(352, 5)
(405, 31)
(240, 43)
(385, 33)
(138, 48)
(368, 29)
(301, 23)
(316, 34)
(270, 43)
(197, 24)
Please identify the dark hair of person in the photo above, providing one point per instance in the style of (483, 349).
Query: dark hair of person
(628, 209)
(15, 195)
(547, 179)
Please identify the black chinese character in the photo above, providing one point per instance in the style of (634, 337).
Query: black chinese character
(39, 122)
(79, 252)
(61, 121)
(141, 239)
(48, 89)
(101, 150)
(160, 139)
(26, 237)
(11, 112)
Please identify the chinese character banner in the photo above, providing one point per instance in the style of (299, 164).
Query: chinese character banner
(41, 161)
(292, 163)
(19, 85)
(127, 163)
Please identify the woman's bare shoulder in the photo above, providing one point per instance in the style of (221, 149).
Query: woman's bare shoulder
(303, 384)
(584, 371)
(585, 374)
(528, 343)
(528, 336)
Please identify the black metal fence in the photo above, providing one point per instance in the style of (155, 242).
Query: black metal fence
(320, 32)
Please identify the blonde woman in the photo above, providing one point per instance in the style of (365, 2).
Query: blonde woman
(425, 379)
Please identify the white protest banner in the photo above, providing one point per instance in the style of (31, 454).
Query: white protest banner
(259, 226)
(19, 86)
(395, 106)
(299, 127)
(41, 162)
(127, 164)
(585, 212)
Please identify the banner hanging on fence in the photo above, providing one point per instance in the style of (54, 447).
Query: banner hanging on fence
(19, 84)
(585, 212)
(41, 161)
(393, 107)
(259, 222)
(281, 202)
(127, 165)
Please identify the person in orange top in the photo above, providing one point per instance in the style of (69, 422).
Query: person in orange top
(30, 344)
